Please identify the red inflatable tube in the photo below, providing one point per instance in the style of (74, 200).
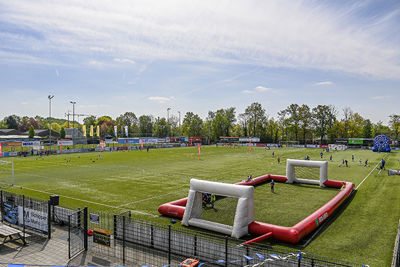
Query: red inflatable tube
(265, 230)
(295, 233)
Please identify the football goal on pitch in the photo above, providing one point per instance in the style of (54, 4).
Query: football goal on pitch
(6, 173)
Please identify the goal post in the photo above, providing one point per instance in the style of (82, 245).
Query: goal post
(243, 216)
(6, 173)
(292, 176)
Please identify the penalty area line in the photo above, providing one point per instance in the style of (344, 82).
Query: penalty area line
(92, 202)
(369, 173)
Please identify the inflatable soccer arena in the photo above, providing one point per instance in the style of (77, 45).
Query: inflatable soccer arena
(190, 209)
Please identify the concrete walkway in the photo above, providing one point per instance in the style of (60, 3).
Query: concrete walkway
(38, 251)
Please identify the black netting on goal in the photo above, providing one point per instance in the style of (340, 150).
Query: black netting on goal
(219, 209)
(306, 172)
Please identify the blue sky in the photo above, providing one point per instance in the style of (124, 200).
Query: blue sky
(145, 56)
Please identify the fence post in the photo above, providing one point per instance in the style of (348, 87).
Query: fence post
(2, 205)
(312, 262)
(115, 226)
(69, 236)
(23, 214)
(226, 251)
(85, 228)
(123, 239)
(195, 245)
(169, 244)
(151, 236)
(299, 262)
(49, 219)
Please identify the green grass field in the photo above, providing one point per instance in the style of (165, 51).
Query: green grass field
(141, 181)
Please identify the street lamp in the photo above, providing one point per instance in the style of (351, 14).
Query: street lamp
(73, 117)
(168, 109)
(50, 97)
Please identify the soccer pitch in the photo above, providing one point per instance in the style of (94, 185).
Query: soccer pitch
(141, 181)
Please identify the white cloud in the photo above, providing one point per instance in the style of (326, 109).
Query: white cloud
(161, 99)
(326, 83)
(262, 89)
(304, 34)
(124, 60)
(259, 89)
(378, 97)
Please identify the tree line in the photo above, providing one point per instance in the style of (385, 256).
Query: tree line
(298, 123)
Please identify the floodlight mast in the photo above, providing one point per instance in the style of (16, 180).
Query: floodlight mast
(168, 109)
(73, 117)
(50, 97)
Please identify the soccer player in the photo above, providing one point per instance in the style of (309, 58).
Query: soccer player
(383, 162)
(322, 154)
(366, 163)
(272, 185)
(279, 160)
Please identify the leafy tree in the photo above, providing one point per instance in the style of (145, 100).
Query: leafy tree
(367, 129)
(161, 128)
(355, 125)
(243, 121)
(103, 119)
(324, 116)
(395, 124)
(62, 133)
(256, 119)
(12, 122)
(293, 116)
(90, 120)
(31, 131)
(379, 128)
(145, 125)
(347, 115)
(192, 125)
(305, 120)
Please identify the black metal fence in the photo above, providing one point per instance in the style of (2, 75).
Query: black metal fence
(30, 214)
(134, 242)
(77, 233)
(396, 251)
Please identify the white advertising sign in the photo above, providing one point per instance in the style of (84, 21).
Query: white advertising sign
(30, 143)
(33, 218)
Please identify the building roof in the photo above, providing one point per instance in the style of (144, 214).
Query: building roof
(9, 132)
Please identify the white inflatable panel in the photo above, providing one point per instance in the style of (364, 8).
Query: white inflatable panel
(244, 211)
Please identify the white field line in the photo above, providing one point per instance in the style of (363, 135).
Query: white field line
(92, 202)
(369, 173)
(149, 198)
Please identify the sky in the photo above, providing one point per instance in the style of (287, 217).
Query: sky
(147, 56)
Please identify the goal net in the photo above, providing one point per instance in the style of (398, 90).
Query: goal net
(306, 171)
(6, 173)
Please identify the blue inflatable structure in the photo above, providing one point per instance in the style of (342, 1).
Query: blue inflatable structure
(381, 144)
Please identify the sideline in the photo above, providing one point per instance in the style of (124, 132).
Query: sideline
(370, 173)
(92, 202)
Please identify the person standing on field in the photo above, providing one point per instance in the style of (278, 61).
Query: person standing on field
(272, 186)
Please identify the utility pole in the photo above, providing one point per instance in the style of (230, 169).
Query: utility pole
(73, 117)
(67, 115)
(50, 97)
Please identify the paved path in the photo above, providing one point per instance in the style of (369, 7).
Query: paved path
(38, 251)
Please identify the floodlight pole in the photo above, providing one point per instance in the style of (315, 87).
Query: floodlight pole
(179, 123)
(50, 97)
(73, 117)
(168, 109)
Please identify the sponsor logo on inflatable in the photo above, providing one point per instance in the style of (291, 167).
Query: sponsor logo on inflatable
(321, 218)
